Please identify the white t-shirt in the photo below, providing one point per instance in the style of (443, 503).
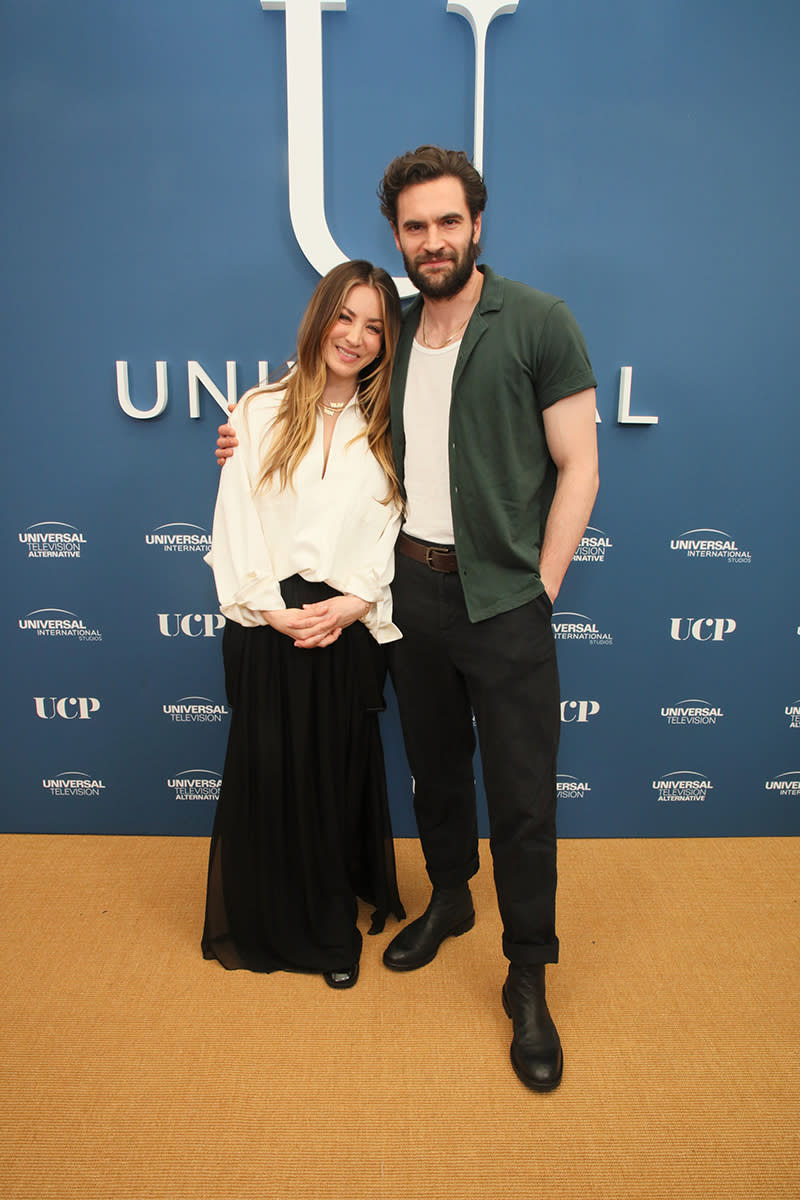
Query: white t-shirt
(329, 528)
(426, 422)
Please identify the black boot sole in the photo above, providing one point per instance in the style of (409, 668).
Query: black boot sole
(456, 931)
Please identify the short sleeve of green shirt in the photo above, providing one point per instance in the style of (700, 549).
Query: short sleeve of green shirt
(562, 359)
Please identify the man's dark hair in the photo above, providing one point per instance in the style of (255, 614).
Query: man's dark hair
(426, 163)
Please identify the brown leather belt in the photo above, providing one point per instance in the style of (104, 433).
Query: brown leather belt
(431, 556)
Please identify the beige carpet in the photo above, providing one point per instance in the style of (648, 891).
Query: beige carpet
(134, 1070)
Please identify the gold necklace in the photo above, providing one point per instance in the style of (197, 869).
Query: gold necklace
(333, 410)
(446, 341)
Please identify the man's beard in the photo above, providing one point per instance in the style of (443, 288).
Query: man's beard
(443, 286)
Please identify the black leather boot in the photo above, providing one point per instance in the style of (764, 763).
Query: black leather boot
(449, 914)
(536, 1049)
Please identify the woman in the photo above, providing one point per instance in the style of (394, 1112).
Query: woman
(302, 552)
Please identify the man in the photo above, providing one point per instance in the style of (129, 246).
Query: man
(493, 424)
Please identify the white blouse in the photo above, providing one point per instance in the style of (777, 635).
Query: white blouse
(328, 528)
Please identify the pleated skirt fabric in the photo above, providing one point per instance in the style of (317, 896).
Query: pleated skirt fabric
(302, 825)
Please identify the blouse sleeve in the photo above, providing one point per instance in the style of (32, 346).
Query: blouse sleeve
(239, 556)
(371, 579)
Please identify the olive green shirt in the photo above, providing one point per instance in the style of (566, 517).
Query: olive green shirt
(521, 352)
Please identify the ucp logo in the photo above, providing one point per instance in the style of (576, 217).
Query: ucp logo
(578, 710)
(190, 624)
(702, 629)
(68, 707)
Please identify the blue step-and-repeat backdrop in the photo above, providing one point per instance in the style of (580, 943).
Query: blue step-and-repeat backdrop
(641, 162)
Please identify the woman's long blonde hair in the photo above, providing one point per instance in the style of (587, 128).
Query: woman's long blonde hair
(293, 431)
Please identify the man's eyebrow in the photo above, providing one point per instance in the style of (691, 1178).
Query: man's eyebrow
(448, 216)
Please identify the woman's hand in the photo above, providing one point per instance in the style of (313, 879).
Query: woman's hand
(327, 619)
(226, 441)
(294, 623)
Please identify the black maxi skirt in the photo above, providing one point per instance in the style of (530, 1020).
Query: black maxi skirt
(302, 825)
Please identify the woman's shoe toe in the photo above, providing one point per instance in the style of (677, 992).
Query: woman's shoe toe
(341, 979)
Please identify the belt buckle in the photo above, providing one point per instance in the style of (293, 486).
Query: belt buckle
(429, 553)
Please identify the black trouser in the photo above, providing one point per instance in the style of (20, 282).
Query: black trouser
(504, 670)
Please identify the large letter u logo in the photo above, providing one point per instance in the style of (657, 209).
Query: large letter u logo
(304, 116)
